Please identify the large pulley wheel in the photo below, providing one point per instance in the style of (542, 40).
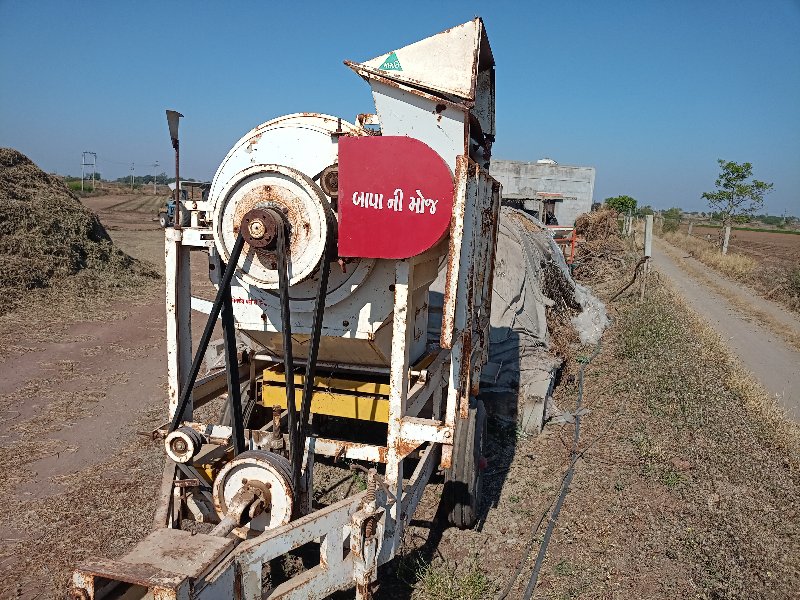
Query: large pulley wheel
(264, 470)
(464, 479)
(267, 186)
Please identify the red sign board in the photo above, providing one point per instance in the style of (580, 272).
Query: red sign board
(395, 197)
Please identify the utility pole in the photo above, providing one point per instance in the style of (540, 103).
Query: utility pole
(155, 166)
(648, 253)
(132, 167)
(85, 163)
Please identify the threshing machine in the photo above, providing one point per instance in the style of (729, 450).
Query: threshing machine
(355, 262)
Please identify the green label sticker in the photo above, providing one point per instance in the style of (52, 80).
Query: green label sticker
(391, 63)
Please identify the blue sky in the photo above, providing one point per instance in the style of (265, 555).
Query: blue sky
(649, 93)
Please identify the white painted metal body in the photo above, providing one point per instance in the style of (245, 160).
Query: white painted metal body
(375, 321)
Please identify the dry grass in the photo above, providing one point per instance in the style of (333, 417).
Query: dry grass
(768, 419)
(600, 224)
(736, 266)
(446, 581)
(688, 486)
(778, 281)
(111, 507)
(602, 253)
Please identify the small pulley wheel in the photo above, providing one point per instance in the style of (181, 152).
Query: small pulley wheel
(183, 444)
(329, 180)
(264, 470)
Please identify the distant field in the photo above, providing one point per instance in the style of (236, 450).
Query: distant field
(767, 247)
(684, 225)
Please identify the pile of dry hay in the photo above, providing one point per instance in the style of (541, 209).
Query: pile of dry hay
(598, 225)
(603, 252)
(47, 237)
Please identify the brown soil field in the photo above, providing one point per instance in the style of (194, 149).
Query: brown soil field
(767, 248)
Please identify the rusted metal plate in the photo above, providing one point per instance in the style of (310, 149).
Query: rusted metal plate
(178, 552)
(340, 449)
(143, 575)
(395, 197)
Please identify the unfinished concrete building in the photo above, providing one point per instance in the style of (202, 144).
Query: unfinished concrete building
(545, 186)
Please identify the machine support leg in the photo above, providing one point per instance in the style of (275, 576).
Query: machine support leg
(398, 382)
(179, 313)
(162, 517)
(224, 285)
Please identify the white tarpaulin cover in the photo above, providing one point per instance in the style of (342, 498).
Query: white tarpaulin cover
(519, 336)
(527, 259)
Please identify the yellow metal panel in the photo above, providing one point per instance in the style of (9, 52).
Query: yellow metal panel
(328, 382)
(208, 467)
(366, 408)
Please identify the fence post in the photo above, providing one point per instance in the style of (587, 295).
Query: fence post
(725, 239)
(690, 227)
(648, 252)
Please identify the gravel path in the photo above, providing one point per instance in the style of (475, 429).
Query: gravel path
(771, 360)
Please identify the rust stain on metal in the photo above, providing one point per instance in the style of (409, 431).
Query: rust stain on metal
(447, 456)
(464, 374)
(138, 574)
(253, 141)
(405, 447)
(283, 199)
(363, 590)
(237, 581)
(453, 254)
(369, 73)
(343, 447)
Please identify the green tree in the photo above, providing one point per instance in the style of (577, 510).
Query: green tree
(645, 210)
(672, 219)
(622, 204)
(735, 196)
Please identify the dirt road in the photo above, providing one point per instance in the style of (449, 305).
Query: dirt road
(767, 355)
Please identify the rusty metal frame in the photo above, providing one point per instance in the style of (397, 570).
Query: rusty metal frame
(349, 556)
(363, 531)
